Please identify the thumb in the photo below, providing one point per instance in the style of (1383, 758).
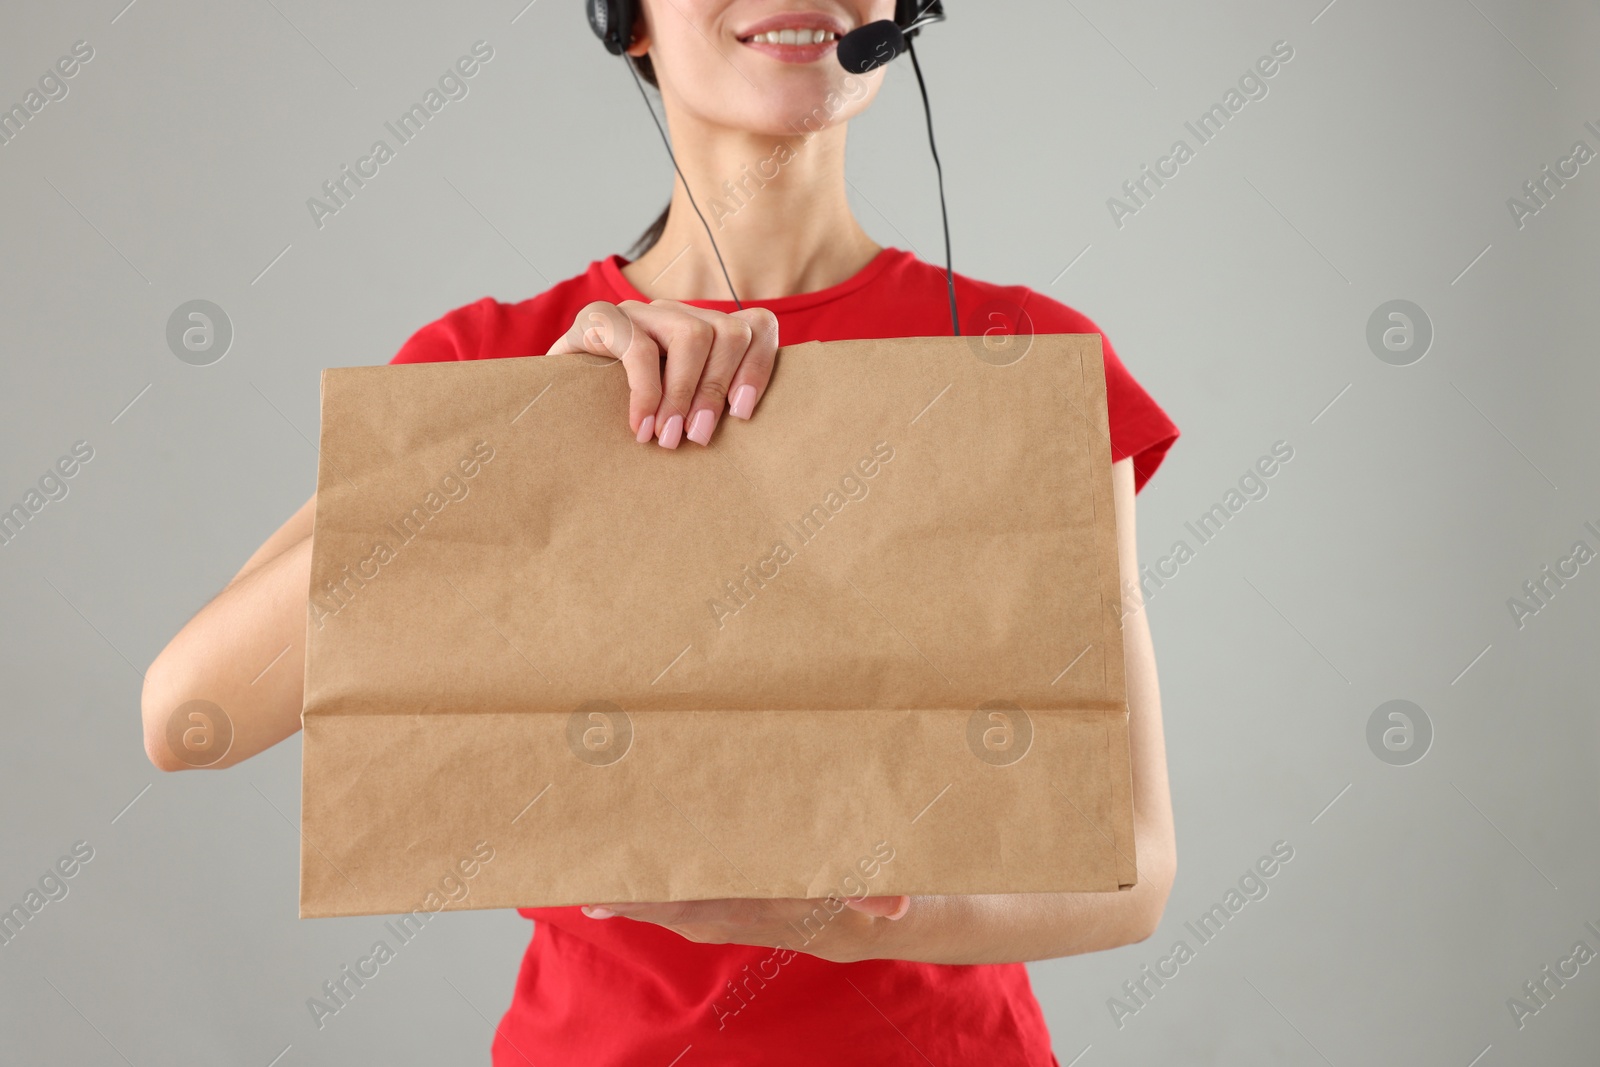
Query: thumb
(599, 329)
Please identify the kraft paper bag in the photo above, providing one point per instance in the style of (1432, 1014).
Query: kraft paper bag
(867, 643)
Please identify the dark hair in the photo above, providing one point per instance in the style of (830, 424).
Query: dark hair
(647, 240)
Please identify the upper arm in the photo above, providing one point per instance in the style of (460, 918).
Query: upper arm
(294, 530)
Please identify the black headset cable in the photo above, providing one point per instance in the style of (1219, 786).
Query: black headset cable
(628, 61)
(927, 110)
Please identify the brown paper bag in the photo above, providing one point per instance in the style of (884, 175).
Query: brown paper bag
(866, 643)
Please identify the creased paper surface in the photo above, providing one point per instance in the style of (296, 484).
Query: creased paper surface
(880, 618)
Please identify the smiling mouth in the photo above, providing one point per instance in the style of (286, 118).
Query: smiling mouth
(795, 37)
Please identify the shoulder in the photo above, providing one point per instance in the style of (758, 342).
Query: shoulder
(979, 300)
(491, 329)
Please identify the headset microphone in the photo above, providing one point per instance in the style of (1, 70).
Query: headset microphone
(864, 50)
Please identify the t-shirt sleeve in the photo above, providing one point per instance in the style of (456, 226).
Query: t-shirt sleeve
(1139, 427)
(456, 335)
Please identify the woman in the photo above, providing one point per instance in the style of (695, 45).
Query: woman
(896, 980)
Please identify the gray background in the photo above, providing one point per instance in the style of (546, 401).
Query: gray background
(1378, 567)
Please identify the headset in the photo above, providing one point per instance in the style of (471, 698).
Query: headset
(861, 50)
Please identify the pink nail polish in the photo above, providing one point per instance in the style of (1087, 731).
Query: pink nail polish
(672, 432)
(646, 428)
(598, 913)
(700, 427)
(743, 402)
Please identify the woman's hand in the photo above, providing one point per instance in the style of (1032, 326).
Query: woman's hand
(840, 930)
(711, 359)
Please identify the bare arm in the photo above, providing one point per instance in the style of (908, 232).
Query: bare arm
(244, 652)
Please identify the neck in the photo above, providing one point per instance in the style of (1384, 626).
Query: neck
(777, 207)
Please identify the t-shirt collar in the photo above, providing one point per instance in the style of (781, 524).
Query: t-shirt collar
(611, 272)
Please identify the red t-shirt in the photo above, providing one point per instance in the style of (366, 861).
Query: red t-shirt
(616, 991)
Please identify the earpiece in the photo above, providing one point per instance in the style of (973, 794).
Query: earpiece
(612, 22)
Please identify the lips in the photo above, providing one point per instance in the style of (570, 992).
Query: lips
(800, 37)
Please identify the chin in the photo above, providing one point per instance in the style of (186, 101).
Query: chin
(799, 101)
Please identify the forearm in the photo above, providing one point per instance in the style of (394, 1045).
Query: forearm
(1016, 928)
(243, 652)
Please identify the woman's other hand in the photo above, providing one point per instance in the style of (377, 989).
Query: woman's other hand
(843, 930)
(712, 360)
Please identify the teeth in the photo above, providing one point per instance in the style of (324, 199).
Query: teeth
(797, 37)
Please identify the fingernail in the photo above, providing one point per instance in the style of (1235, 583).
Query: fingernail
(672, 432)
(646, 428)
(700, 426)
(598, 913)
(743, 402)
